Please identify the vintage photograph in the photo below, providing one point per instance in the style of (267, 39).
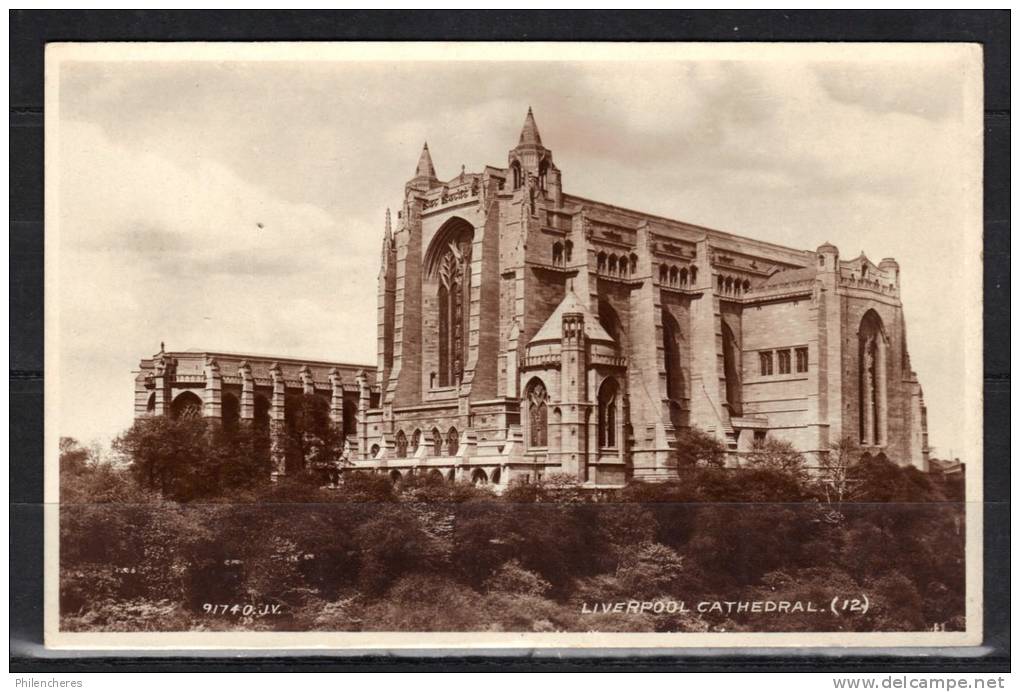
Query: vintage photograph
(513, 345)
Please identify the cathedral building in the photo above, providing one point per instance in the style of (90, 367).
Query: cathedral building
(524, 332)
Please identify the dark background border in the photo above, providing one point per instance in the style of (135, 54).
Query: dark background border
(31, 30)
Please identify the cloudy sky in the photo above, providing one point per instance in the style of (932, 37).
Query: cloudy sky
(239, 205)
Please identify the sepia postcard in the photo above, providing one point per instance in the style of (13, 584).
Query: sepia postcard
(434, 346)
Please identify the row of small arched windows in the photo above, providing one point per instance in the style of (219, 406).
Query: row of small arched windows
(441, 446)
(478, 476)
(616, 265)
(562, 253)
(731, 286)
(678, 277)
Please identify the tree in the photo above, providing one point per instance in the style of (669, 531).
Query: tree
(390, 545)
(313, 440)
(189, 458)
(170, 456)
(650, 570)
(511, 578)
(73, 457)
(428, 603)
(879, 480)
(777, 455)
(695, 447)
(836, 478)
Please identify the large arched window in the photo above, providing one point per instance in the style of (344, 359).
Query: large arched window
(731, 369)
(452, 442)
(872, 378)
(536, 401)
(186, 405)
(608, 402)
(673, 357)
(401, 444)
(448, 263)
(437, 443)
(415, 441)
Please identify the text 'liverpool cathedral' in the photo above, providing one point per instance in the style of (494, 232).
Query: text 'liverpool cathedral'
(524, 332)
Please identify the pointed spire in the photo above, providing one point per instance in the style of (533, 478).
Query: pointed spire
(529, 133)
(425, 167)
(389, 224)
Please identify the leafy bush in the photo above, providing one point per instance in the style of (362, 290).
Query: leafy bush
(511, 578)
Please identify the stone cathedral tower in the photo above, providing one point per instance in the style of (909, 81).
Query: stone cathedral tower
(524, 332)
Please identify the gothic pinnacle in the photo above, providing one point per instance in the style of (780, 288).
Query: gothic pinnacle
(425, 167)
(529, 133)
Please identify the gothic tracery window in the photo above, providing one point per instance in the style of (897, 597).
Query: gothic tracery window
(452, 442)
(538, 415)
(454, 281)
(401, 444)
(437, 443)
(872, 380)
(608, 395)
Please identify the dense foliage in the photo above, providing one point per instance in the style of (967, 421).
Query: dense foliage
(189, 526)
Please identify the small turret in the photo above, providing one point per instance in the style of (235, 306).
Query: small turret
(532, 164)
(891, 268)
(828, 257)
